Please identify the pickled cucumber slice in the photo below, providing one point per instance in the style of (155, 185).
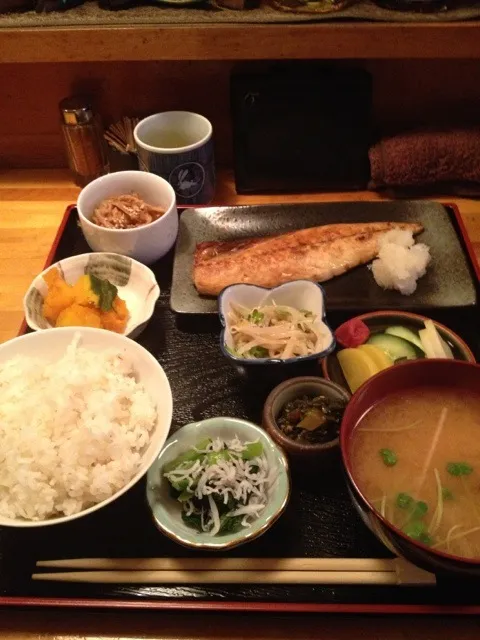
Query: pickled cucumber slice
(406, 334)
(396, 348)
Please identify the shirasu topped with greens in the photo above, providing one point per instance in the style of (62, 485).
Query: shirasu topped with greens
(223, 485)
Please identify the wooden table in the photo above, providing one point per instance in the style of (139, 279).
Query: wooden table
(32, 204)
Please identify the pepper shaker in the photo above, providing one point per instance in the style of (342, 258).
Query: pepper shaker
(83, 135)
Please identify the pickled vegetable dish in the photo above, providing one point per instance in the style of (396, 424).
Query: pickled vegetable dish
(313, 420)
(222, 485)
(369, 353)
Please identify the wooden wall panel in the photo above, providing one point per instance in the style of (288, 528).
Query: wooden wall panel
(406, 94)
(30, 93)
(409, 93)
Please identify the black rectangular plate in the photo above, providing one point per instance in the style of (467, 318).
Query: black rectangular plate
(319, 522)
(448, 283)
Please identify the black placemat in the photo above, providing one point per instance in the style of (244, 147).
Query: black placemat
(319, 522)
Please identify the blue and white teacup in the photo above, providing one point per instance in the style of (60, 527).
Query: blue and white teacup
(178, 146)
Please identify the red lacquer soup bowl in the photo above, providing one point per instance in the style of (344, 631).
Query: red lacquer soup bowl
(448, 374)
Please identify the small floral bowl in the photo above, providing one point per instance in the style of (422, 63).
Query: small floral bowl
(300, 294)
(136, 285)
(166, 510)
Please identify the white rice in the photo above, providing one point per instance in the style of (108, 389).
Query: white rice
(72, 431)
(400, 261)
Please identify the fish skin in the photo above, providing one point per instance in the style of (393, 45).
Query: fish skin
(317, 254)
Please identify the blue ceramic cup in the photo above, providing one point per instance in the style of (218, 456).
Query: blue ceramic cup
(178, 146)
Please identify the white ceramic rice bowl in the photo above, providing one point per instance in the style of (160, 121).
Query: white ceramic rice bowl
(52, 343)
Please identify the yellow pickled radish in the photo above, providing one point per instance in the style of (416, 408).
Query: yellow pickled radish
(357, 367)
(381, 359)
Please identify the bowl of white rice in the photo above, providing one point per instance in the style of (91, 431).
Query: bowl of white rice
(83, 414)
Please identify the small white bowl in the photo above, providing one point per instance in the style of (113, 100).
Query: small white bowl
(136, 285)
(51, 344)
(300, 294)
(146, 243)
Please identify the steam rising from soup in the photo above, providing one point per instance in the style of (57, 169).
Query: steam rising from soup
(416, 458)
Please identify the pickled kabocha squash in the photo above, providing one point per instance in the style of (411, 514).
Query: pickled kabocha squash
(90, 302)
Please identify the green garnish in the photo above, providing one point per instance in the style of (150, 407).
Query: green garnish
(404, 501)
(459, 469)
(259, 352)
(447, 494)
(214, 457)
(194, 520)
(105, 290)
(389, 457)
(180, 486)
(231, 351)
(415, 529)
(420, 509)
(189, 456)
(230, 524)
(426, 539)
(306, 312)
(256, 316)
(252, 450)
(185, 495)
(418, 531)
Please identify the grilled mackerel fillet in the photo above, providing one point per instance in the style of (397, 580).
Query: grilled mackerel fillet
(317, 254)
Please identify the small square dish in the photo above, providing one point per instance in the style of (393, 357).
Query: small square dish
(448, 283)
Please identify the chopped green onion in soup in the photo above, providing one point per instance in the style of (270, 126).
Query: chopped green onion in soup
(424, 478)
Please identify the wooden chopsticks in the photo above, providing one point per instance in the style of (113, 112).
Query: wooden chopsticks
(236, 570)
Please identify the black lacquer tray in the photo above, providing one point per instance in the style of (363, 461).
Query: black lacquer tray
(319, 522)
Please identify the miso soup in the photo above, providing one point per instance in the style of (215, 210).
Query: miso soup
(416, 458)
